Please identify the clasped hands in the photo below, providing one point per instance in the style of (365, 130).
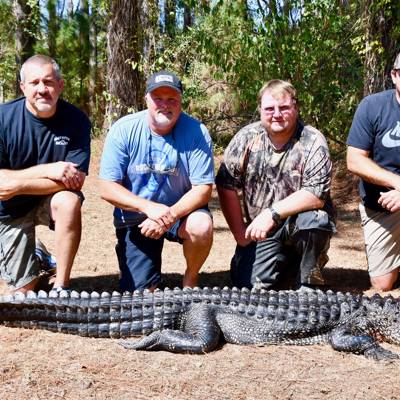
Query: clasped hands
(159, 219)
(68, 173)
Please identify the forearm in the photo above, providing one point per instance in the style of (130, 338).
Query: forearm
(36, 172)
(299, 201)
(232, 210)
(360, 164)
(198, 196)
(14, 184)
(120, 197)
(40, 186)
(41, 179)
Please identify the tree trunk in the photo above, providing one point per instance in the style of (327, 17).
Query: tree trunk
(187, 17)
(169, 17)
(70, 9)
(381, 22)
(124, 48)
(149, 34)
(84, 54)
(24, 35)
(52, 27)
(93, 62)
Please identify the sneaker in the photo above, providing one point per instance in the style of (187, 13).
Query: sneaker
(47, 261)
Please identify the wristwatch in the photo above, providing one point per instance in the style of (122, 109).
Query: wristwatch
(275, 215)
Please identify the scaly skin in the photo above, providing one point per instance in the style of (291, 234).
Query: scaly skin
(194, 320)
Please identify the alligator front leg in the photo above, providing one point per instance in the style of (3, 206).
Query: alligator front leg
(344, 338)
(200, 334)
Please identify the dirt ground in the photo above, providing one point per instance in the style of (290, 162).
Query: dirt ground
(44, 365)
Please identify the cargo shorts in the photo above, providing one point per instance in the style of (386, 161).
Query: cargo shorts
(18, 263)
(381, 234)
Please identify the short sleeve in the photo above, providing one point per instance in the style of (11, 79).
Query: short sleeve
(230, 173)
(79, 149)
(361, 131)
(201, 167)
(115, 158)
(318, 169)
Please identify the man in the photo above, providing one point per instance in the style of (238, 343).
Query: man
(157, 170)
(44, 158)
(283, 170)
(373, 155)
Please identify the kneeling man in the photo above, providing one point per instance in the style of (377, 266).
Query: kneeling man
(44, 159)
(157, 170)
(283, 170)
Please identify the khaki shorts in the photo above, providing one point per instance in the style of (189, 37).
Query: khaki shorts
(382, 244)
(18, 263)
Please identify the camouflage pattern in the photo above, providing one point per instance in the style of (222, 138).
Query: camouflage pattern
(265, 175)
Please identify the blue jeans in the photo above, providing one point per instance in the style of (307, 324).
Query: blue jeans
(139, 257)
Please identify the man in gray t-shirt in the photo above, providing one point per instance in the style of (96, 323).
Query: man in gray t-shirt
(283, 170)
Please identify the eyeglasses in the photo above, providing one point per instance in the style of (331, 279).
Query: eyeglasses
(284, 109)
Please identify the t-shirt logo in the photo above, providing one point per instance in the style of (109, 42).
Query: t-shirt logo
(392, 137)
(61, 140)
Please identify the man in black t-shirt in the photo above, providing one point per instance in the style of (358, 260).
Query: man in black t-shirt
(44, 159)
(374, 155)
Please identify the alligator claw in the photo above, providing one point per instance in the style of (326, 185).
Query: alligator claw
(145, 343)
(378, 353)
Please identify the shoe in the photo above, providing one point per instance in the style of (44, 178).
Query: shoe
(47, 261)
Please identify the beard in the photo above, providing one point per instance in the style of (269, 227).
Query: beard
(44, 105)
(163, 120)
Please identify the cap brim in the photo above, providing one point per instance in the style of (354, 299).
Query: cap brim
(162, 84)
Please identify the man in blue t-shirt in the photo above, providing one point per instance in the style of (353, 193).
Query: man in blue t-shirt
(374, 155)
(44, 158)
(157, 170)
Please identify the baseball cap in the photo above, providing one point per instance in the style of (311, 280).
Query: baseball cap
(163, 78)
(396, 64)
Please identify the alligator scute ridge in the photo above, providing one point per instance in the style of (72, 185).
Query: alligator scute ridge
(194, 320)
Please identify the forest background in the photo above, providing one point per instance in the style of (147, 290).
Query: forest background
(333, 51)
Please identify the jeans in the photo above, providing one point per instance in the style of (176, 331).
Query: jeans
(298, 248)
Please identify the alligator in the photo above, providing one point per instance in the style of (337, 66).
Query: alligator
(198, 320)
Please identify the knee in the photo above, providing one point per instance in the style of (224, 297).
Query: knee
(65, 203)
(199, 226)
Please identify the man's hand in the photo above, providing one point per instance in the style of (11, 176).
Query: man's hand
(152, 229)
(161, 214)
(8, 186)
(390, 200)
(260, 226)
(66, 172)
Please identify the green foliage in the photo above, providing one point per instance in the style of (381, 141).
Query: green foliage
(299, 44)
(7, 52)
(226, 54)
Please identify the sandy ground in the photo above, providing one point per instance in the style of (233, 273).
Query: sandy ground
(45, 365)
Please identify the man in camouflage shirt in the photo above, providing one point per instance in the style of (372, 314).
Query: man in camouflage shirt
(283, 170)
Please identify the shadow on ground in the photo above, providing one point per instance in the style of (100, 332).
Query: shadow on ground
(338, 279)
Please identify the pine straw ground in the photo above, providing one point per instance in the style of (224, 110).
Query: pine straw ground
(45, 365)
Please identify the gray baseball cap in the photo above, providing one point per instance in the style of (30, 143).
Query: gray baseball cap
(396, 64)
(162, 79)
